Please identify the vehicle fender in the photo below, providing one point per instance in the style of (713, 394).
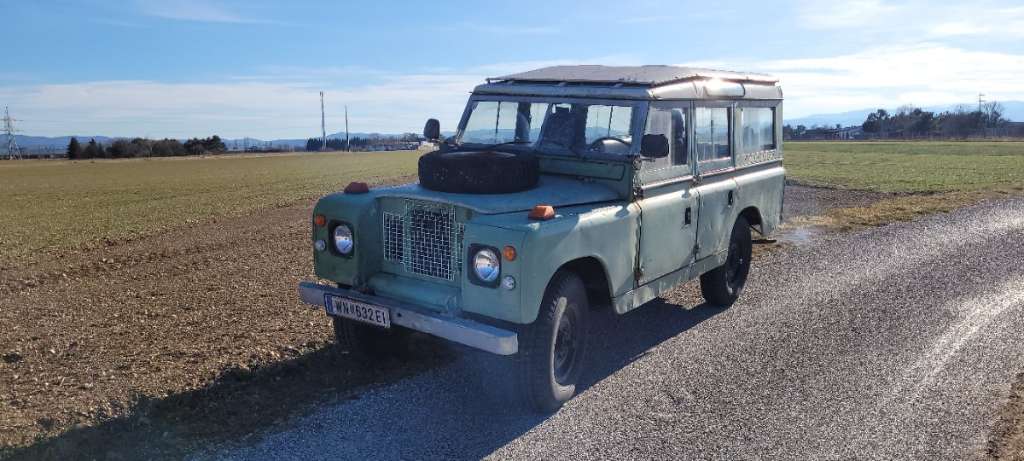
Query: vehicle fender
(607, 234)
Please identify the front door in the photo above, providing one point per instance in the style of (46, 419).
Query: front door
(668, 232)
(669, 207)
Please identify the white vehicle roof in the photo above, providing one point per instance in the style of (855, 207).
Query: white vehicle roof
(635, 82)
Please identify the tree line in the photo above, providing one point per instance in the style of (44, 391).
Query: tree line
(361, 143)
(909, 122)
(142, 147)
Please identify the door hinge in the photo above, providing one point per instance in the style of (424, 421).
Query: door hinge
(638, 273)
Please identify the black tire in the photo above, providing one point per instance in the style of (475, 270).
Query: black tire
(723, 285)
(553, 348)
(369, 343)
(478, 172)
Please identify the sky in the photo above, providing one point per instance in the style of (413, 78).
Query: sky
(184, 68)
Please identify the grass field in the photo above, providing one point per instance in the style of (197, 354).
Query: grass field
(909, 166)
(56, 204)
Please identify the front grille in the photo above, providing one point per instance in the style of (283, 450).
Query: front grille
(425, 239)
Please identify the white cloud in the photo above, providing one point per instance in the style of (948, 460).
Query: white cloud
(851, 14)
(499, 29)
(958, 28)
(280, 102)
(283, 102)
(902, 20)
(262, 109)
(194, 10)
(925, 74)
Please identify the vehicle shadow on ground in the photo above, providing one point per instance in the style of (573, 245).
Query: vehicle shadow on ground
(463, 394)
(237, 404)
(616, 342)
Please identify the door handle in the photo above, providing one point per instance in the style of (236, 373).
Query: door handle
(687, 217)
(732, 198)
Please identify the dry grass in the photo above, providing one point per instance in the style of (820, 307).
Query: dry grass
(901, 207)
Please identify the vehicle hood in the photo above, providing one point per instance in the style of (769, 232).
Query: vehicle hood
(551, 190)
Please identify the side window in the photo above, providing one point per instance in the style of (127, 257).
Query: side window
(711, 133)
(670, 122)
(757, 129)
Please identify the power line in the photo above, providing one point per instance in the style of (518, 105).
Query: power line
(12, 144)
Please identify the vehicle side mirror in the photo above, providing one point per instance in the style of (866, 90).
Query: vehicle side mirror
(432, 130)
(654, 146)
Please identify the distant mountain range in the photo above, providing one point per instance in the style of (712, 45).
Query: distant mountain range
(1014, 110)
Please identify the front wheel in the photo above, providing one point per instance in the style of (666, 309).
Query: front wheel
(553, 347)
(722, 286)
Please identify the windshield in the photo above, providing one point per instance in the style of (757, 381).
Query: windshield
(551, 127)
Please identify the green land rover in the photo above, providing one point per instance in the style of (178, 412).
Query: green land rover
(564, 190)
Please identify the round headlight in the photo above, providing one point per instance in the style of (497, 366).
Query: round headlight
(343, 239)
(486, 265)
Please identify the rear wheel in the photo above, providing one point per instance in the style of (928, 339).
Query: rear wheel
(370, 343)
(553, 347)
(723, 285)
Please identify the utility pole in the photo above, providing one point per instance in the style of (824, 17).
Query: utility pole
(346, 129)
(981, 101)
(12, 145)
(323, 123)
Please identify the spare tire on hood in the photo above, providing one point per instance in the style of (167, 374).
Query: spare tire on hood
(478, 172)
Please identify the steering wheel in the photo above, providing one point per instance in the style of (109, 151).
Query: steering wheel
(599, 142)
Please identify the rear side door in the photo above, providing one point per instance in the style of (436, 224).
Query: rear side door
(716, 188)
(669, 205)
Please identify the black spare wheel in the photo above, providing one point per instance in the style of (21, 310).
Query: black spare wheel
(478, 172)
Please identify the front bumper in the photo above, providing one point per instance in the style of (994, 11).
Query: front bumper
(460, 330)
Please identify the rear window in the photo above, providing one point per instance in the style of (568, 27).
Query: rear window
(757, 129)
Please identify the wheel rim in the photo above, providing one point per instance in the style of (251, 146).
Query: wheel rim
(566, 348)
(734, 265)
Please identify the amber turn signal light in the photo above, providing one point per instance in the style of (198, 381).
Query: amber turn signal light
(357, 188)
(320, 220)
(509, 252)
(542, 212)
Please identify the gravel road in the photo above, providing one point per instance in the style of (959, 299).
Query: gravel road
(899, 342)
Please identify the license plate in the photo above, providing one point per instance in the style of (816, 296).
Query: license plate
(358, 311)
